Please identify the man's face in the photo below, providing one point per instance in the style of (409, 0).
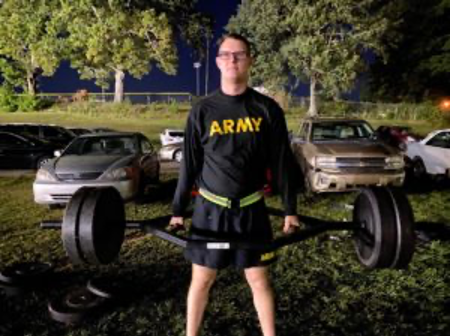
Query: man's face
(233, 60)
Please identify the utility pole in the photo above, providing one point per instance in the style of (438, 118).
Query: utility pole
(207, 66)
(197, 66)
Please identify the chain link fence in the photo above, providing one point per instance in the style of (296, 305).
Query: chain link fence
(131, 97)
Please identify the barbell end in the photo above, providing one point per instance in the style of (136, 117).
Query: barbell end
(50, 224)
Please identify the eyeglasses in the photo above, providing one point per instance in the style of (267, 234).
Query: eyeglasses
(228, 55)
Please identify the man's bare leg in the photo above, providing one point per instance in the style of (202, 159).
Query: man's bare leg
(201, 282)
(263, 298)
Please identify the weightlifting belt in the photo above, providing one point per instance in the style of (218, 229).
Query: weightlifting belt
(230, 202)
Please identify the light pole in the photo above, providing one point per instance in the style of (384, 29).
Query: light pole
(197, 66)
(207, 66)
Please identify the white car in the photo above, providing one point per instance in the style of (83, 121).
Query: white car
(431, 155)
(171, 136)
(172, 152)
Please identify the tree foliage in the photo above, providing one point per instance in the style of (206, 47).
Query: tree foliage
(31, 43)
(419, 64)
(323, 41)
(113, 37)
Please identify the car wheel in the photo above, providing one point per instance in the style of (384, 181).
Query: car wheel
(178, 156)
(41, 161)
(418, 169)
(308, 191)
(56, 206)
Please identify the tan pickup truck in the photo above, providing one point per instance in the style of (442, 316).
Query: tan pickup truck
(343, 154)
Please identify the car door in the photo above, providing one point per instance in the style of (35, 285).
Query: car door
(149, 162)
(436, 152)
(15, 152)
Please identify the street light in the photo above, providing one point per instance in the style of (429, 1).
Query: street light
(197, 66)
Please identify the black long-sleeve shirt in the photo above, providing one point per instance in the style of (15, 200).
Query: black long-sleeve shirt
(230, 142)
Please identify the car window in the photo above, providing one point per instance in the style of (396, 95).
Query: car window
(441, 140)
(303, 135)
(54, 132)
(340, 131)
(7, 140)
(33, 130)
(102, 146)
(146, 146)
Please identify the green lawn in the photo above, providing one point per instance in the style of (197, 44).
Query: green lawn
(320, 287)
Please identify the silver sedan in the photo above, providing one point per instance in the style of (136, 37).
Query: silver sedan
(172, 152)
(126, 161)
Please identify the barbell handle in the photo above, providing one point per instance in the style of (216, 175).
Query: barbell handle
(54, 224)
(157, 227)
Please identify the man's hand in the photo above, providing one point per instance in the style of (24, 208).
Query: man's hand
(291, 223)
(176, 224)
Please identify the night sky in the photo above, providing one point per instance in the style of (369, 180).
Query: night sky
(66, 79)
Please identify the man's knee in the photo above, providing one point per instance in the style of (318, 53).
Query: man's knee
(257, 278)
(202, 277)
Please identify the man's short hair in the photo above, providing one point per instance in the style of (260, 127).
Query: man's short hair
(235, 36)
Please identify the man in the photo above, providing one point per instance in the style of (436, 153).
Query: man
(232, 138)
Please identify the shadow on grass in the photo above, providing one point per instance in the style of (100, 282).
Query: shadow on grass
(425, 184)
(147, 285)
(162, 192)
(428, 231)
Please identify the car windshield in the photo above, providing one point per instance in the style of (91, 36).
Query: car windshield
(440, 140)
(340, 131)
(120, 145)
(176, 134)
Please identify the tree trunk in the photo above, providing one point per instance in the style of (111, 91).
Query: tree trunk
(31, 84)
(118, 93)
(312, 112)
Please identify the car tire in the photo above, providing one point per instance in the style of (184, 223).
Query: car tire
(418, 168)
(178, 156)
(308, 191)
(56, 206)
(41, 161)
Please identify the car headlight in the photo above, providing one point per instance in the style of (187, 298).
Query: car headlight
(325, 162)
(395, 162)
(118, 174)
(44, 175)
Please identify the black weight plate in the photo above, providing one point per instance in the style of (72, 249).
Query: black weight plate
(26, 273)
(375, 244)
(106, 287)
(83, 299)
(102, 225)
(75, 306)
(70, 226)
(10, 290)
(406, 239)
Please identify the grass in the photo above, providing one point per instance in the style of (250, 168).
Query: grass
(320, 286)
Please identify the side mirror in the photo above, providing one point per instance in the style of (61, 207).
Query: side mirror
(57, 153)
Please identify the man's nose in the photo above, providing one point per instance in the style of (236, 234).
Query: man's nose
(234, 58)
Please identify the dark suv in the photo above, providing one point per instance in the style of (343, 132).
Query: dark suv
(20, 151)
(52, 133)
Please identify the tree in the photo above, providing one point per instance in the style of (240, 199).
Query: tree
(323, 40)
(114, 37)
(31, 41)
(419, 64)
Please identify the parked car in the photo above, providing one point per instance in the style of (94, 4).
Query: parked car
(172, 152)
(430, 156)
(52, 133)
(102, 130)
(21, 151)
(395, 136)
(79, 130)
(126, 161)
(343, 154)
(171, 136)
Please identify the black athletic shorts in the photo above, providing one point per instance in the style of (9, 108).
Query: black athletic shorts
(214, 222)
